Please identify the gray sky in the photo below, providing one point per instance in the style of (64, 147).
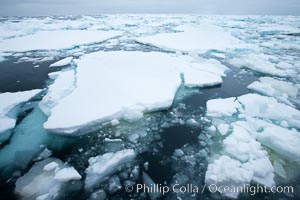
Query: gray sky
(95, 7)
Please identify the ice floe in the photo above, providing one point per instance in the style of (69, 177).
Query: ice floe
(256, 128)
(191, 38)
(39, 183)
(8, 102)
(60, 39)
(255, 105)
(63, 62)
(146, 82)
(67, 174)
(101, 167)
(260, 63)
(283, 91)
(284, 142)
(63, 85)
(222, 107)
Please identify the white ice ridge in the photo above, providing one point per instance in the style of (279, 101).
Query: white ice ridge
(259, 121)
(63, 85)
(59, 39)
(101, 167)
(63, 62)
(124, 85)
(8, 101)
(191, 38)
(46, 179)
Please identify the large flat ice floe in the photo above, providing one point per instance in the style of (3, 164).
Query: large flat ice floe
(8, 101)
(59, 39)
(101, 167)
(124, 85)
(191, 38)
(257, 124)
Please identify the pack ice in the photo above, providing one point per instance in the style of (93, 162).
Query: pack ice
(58, 39)
(191, 38)
(256, 124)
(124, 85)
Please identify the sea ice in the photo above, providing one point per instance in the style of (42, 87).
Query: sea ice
(229, 172)
(38, 183)
(243, 151)
(222, 107)
(67, 174)
(25, 143)
(63, 85)
(191, 38)
(63, 62)
(282, 141)
(8, 102)
(260, 63)
(101, 167)
(223, 128)
(281, 90)
(59, 39)
(136, 82)
(255, 105)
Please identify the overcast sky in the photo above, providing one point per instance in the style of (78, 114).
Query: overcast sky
(95, 7)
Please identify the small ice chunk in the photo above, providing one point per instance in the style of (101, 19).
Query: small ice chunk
(51, 166)
(98, 195)
(223, 129)
(100, 167)
(114, 184)
(43, 197)
(67, 174)
(222, 107)
(63, 62)
(149, 182)
(114, 122)
(279, 170)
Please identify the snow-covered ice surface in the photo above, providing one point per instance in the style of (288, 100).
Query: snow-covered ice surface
(146, 82)
(60, 39)
(192, 38)
(154, 99)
